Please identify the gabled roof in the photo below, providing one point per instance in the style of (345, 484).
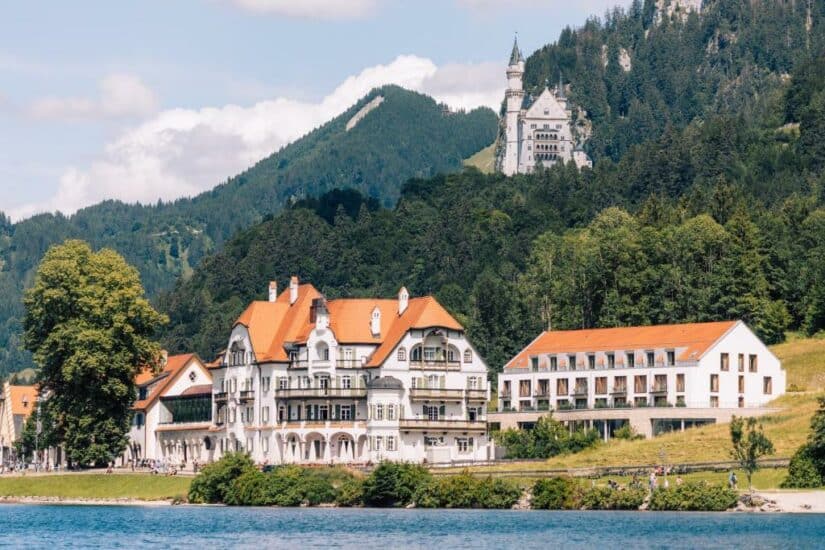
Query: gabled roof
(693, 339)
(273, 325)
(175, 365)
(21, 399)
(547, 100)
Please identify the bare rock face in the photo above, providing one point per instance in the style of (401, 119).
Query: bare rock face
(665, 9)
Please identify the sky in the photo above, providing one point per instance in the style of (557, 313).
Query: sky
(153, 100)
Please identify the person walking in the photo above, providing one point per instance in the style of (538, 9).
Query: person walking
(732, 480)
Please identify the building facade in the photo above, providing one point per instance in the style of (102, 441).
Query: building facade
(307, 380)
(537, 131)
(172, 414)
(657, 379)
(16, 405)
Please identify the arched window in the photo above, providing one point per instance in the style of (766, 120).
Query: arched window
(468, 356)
(452, 354)
(237, 354)
(415, 355)
(402, 354)
(322, 351)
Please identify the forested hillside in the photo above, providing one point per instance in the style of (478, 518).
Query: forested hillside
(408, 135)
(721, 217)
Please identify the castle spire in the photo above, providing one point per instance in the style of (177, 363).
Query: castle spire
(515, 56)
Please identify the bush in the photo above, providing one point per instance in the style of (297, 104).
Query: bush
(694, 496)
(466, 491)
(350, 493)
(627, 432)
(546, 439)
(215, 480)
(555, 493)
(606, 498)
(394, 484)
(802, 471)
(294, 486)
(248, 490)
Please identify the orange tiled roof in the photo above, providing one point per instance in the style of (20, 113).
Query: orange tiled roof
(692, 338)
(22, 399)
(271, 325)
(174, 366)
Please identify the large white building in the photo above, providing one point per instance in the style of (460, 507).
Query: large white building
(537, 131)
(310, 380)
(656, 378)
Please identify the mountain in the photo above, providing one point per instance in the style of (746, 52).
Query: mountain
(706, 201)
(388, 137)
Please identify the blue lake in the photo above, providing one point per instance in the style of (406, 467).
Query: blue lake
(35, 526)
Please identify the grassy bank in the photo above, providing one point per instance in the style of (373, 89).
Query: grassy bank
(96, 486)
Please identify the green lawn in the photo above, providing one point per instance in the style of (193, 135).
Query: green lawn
(96, 486)
(484, 160)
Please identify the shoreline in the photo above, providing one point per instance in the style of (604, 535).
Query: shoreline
(774, 502)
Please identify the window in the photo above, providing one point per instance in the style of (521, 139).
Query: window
(714, 382)
(430, 353)
(752, 363)
(250, 444)
(741, 362)
(346, 412)
(554, 363)
(142, 392)
(283, 383)
(650, 358)
(631, 359)
(601, 385)
(402, 354)
(464, 444)
(468, 356)
(714, 401)
(680, 382)
(741, 403)
(139, 420)
(611, 361)
(671, 358)
(379, 412)
(534, 364)
(640, 384)
(390, 442)
(265, 444)
(591, 361)
(434, 412)
(390, 412)
(571, 362)
(265, 383)
(473, 382)
(378, 441)
(346, 382)
(741, 384)
(433, 441)
(233, 414)
(265, 414)
(724, 362)
(767, 385)
(561, 386)
(524, 388)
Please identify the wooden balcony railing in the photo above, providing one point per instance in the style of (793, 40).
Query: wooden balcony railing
(442, 424)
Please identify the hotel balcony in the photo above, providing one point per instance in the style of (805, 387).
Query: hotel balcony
(348, 364)
(580, 391)
(541, 393)
(246, 395)
(442, 425)
(435, 365)
(618, 390)
(320, 393)
(659, 388)
(436, 394)
(476, 395)
(299, 364)
(221, 397)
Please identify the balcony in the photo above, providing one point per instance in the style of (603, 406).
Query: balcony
(618, 390)
(658, 388)
(435, 365)
(348, 364)
(476, 395)
(580, 391)
(435, 394)
(545, 393)
(221, 397)
(442, 424)
(320, 393)
(246, 395)
(298, 364)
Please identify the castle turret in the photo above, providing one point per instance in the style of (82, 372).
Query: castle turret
(515, 98)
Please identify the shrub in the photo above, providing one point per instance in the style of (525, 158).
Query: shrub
(802, 471)
(394, 484)
(694, 496)
(606, 498)
(547, 438)
(250, 489)
(215, 480)
(627, 432)
(555, 493)
(466, 491)
(350, 493)
(294, 486)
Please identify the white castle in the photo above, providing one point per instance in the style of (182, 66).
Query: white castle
(537, 132)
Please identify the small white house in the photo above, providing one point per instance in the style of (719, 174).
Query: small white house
(656, 378)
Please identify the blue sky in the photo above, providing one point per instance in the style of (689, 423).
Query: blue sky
(161, 99)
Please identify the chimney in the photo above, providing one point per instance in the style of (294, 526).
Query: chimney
(375, 322)
(319, 314)
(293, 290)
(403, 300)
(273, 291)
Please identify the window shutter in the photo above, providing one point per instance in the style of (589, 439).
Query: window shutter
(337, 412)
(442, 411)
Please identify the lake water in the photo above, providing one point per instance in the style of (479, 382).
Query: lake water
(201, 528)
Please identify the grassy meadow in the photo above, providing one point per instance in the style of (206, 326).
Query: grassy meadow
(95, 486)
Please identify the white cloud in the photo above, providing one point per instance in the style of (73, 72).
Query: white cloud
(121, 95)
(181, 152)
(311, 9)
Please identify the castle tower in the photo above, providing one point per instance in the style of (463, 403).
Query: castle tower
(515, 98)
